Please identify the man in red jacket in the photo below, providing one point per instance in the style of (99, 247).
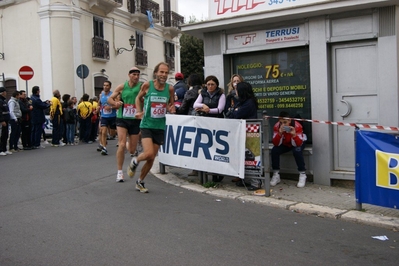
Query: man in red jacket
(288, 136)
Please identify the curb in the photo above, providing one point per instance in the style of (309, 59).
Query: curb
(391, 223)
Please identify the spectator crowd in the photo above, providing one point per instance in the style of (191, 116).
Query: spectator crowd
(131, 114)
(23, 120)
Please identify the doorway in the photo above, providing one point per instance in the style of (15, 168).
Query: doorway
(355, 96)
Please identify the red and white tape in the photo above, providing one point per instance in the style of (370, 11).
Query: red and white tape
(340, 123)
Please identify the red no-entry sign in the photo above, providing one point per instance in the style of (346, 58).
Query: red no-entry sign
(26, 72)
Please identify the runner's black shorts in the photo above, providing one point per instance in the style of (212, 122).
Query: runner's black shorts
(157, 135)
(132, 125)
(108, 122)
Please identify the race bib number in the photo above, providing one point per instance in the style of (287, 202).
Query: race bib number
(158, 110)
(107, 112)
(129, 110)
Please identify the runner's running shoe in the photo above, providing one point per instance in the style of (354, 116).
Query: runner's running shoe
(104, 151)
(119, 178)
(131, 169)
(140, 187)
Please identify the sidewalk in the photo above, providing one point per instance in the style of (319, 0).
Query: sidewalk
(322, 201)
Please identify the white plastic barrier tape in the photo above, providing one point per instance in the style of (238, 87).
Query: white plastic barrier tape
(339, 123)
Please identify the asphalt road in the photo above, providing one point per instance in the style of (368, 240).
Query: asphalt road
(62, 206)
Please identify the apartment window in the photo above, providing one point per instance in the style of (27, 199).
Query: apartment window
(139, 40)
(141, 54)
(98, 27)
(100, 47)
(170, 54)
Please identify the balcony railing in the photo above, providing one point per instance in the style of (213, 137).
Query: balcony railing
(100, 48)
(141, 6)
(171, 62)
(171, 19)
(141, 57)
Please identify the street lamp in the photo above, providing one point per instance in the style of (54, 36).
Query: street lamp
(2, 56)
(132, 42)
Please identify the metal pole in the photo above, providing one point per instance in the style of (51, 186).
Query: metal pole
(83, 81)
(358, 204)
(27, 87)
(266, 154)
(162, 168)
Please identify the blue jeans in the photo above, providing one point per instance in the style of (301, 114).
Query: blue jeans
(70, 133)
(15, 134)
(296, 151)
(37, 130)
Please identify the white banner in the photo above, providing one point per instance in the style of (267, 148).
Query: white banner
(214, 145)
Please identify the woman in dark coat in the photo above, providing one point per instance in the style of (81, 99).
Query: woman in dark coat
(245, 108)
(247, 105)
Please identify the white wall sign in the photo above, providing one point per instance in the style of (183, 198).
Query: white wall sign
(260, 38)
(229, 8)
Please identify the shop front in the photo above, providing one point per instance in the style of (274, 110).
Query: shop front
(319, 60)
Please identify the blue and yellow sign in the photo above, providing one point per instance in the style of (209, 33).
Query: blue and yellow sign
(377, 168)
(387, 174)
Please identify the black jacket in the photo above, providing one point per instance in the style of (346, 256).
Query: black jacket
(24, 105)
(191, 95)
(5, 111)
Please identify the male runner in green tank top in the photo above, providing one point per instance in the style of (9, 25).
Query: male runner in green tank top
(158, 99)
(126, 122)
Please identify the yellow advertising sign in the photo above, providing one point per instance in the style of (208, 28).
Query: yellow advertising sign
(387, 170)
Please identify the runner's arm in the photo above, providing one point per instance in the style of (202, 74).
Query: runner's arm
(112, 98)
(171, 107)
(139, 104)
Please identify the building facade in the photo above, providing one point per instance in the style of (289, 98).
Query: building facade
(322, 60)
(73, 46)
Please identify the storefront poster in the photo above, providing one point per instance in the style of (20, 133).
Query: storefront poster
(280, 80)
(253, 149)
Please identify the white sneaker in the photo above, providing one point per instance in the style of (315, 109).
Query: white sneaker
(8, 152)
(62, 144)
(302, 180)
(119, 178)
(275, 179)
(45, 142)
(3, 153)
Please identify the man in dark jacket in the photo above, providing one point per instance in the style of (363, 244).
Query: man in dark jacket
(26, 107)
(38, 117)
(4, 120)
(180, 89)
(195, 84)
